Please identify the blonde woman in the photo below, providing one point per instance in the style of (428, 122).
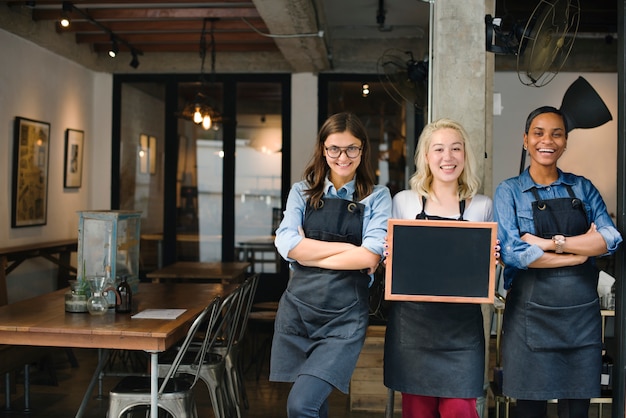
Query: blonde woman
(435, 352)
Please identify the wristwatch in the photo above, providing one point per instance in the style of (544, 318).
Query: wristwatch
(559, 241)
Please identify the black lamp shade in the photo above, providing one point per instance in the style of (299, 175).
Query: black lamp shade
(582, 107)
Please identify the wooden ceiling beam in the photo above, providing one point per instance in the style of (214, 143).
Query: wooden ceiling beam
(192, 47)
(182, 25)
(173, 38)
(106, 14)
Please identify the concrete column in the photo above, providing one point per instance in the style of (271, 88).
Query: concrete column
(462, 73)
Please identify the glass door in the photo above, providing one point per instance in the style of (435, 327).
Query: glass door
(206, 193)
(258, 174)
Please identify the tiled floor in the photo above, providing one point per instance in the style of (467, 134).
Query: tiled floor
(62, 400)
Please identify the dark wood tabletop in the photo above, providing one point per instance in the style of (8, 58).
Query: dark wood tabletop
(42, 321)
(227, 272)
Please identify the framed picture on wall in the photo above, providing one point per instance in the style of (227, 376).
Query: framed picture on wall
(441, 261)
(73, 173)
(31, 147)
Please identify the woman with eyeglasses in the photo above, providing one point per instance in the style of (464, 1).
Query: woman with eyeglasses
(435, 351)
(333, 235)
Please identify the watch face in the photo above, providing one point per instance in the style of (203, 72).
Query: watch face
(559, 240)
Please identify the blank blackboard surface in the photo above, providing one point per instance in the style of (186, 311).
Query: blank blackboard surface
(441, 261)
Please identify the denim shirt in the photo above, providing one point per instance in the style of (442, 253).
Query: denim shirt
(377, 212)
(513, 213)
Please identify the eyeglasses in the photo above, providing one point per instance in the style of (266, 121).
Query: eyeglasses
(351, 151)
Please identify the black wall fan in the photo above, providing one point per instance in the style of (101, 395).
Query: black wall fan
(542, 44)
(404, 78)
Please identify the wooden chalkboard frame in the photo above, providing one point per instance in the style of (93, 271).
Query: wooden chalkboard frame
(429, 258)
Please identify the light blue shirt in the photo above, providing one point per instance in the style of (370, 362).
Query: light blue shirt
(377, 212)
(513, 212)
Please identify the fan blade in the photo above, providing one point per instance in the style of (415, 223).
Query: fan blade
(547, 41)
(403, 80)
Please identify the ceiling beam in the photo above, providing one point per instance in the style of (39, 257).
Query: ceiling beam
(296, 32)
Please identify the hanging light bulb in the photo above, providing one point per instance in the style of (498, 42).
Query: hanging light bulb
(207, 122)
(197, 115)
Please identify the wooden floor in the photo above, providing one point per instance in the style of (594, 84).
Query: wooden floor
(62, 400)
(57, 391)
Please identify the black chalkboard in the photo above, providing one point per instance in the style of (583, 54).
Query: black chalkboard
(441, 261)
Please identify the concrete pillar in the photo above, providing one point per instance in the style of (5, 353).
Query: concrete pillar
(462, 74)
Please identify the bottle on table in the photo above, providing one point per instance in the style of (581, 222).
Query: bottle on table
(124, 299)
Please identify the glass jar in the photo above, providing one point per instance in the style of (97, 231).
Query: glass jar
(76, 297)
(97, 304)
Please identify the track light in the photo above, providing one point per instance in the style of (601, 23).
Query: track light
(69, 7)
(135, 61)
(115, 49)
(65, 19)
(365, 90)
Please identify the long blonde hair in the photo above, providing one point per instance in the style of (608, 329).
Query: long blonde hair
(421, 181)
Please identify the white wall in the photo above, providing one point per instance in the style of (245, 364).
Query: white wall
(590, 152)
(40, 85)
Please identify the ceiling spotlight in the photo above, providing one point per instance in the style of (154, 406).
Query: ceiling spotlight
(135, 61)
(65, 20)
(115, 49)
(365, 90)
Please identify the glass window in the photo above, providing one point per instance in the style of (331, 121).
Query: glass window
(387, 123)
(258, 173)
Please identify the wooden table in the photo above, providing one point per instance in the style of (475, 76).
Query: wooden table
(255, 251)
(228, 272)
(42, 321)
(57, 252)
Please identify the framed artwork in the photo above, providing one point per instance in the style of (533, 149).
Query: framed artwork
(31, 148)
(73, 173)
(147, 154)
(441, 261)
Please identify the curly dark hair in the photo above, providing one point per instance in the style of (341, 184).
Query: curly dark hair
(317, 169)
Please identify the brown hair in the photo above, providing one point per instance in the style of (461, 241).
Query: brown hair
(315, 173)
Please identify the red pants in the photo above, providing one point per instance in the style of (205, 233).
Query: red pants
(416, 406)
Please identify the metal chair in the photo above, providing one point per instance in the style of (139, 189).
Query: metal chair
(212, 370)
(176, 387)
(234, 372)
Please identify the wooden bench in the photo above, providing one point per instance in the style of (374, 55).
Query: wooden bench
(57, 252)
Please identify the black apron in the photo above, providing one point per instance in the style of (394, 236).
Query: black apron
(323, 315)
(434, 348)
(551, 338)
